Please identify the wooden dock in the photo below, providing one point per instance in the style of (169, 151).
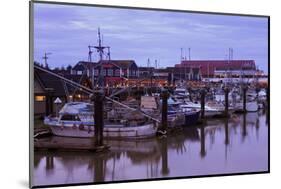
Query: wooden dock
(67, 145)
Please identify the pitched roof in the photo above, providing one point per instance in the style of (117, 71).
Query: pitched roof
(209, 66)
(124, 64)
(49, 81)
(146, 68)
(81, 65)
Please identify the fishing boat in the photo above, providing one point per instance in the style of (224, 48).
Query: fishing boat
(181, 94)
(187, 115)
(183, 97)
(251, 102)
(210, 111)
(76, 119)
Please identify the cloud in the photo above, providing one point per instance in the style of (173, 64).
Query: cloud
(138, 34)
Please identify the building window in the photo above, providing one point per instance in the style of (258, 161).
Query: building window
(110, 72)
(104, 72)
(39, 98)
(79, 72)
(117, 73)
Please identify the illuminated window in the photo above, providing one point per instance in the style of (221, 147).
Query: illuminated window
(39, 98)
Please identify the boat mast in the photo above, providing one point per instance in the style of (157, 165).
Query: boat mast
(100, 49)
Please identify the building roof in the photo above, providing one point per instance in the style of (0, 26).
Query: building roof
(48, 81)
(146, 68)
(124, 64)
(209, 66)
(81, 65)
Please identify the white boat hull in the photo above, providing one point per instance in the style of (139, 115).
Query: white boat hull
(109, 131)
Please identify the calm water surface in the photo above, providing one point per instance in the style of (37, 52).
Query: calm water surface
(234, 146)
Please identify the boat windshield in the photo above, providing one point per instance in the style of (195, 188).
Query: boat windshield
(77, 108)
(68, 117)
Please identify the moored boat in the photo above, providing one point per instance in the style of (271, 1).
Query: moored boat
(76, 119)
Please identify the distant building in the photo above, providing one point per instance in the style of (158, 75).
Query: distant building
(145, 72)
(114, 71)
(48, 87)
(83, 67)
(185, 73)
(221, 68)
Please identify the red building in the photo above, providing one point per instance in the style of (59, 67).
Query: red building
(213, 68)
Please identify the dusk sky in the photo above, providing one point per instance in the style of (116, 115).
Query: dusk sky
(66, 31)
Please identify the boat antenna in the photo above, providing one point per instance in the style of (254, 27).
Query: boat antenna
(181, 54)
(100, 48)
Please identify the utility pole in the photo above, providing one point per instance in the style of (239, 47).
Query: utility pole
(45, 57)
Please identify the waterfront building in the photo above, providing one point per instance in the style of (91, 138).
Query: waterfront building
(48, 87)
(221, 68)
(115, 72)
(83, 67)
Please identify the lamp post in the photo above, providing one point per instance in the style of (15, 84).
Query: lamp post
(57, 103)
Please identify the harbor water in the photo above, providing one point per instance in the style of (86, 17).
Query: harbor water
(221, 146)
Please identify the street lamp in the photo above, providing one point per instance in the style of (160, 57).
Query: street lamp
(57, 103)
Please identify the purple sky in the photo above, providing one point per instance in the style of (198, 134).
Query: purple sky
(66, 31)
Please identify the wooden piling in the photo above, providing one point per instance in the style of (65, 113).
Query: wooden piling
(164, 121)
(203, 93)
(267, 98)
(257, 92)
(226, 92)
(98, 117)
(47, 105)
(49, 102)
(244, 98)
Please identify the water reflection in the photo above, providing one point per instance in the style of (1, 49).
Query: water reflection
(202, 142)
(164, 155)
(232, 145)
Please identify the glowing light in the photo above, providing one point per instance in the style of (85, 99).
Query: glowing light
(39, 98)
